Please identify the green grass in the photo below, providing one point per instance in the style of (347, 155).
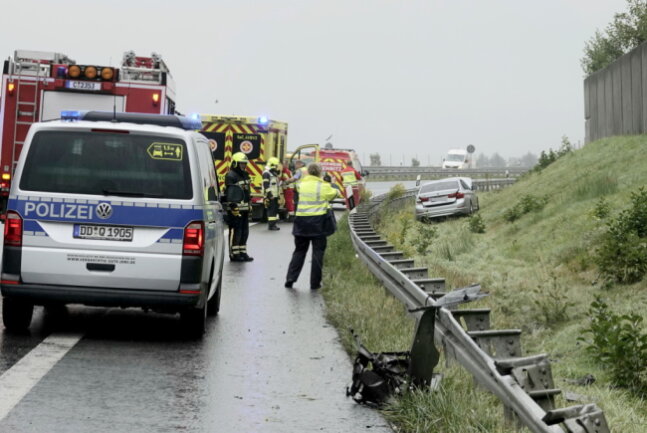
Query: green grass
(539, 271)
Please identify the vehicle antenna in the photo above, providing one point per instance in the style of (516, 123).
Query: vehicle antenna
(114, 108)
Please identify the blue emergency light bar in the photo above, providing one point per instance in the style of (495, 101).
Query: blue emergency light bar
(187, 123)
(263, 120)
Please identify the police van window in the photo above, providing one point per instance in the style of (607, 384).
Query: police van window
(103, 163)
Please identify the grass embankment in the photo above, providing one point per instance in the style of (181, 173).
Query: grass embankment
(539, 269)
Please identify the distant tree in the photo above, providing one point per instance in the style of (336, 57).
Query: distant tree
(623, 34)
(415, 162)
(482, 160)
(528, 160)
(376, 161)
(497, 161)
(599, 52)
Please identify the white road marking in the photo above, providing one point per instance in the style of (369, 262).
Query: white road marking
(16, 382)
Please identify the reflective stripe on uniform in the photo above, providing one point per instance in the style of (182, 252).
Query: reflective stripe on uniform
(310, 202)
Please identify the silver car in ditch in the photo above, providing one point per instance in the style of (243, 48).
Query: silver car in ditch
(445, 197)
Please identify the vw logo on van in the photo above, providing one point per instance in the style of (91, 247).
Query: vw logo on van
(104, 210)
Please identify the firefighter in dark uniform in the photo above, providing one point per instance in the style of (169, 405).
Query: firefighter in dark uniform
(237, 179)
(271, 192)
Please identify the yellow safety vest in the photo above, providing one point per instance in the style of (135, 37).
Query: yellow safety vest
(314, 196)
(349, 178)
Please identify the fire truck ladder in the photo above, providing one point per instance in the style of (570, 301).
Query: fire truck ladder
(25, 107)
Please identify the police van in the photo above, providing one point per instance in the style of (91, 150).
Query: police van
(114, 209)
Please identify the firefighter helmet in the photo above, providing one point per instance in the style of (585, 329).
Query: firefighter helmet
(273, 162)
(238, 158)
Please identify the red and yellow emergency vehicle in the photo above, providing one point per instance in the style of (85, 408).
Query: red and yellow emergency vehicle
(258, 137)
(334, 162)
(38, 85)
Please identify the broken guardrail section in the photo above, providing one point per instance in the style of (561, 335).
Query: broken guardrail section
(524, 384)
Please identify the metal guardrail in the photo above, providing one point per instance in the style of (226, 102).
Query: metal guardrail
(524, 384)
(444, 172)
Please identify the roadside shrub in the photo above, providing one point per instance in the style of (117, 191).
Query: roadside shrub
(426, 235)
(622, 255)
(547, 158)
(476, 223)
(602, 209)
(365, 195)
(619, 344)
(552, 303)
(397, 191)
(405, 225)
(526, 204)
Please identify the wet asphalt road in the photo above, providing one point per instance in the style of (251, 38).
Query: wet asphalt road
(269, 362)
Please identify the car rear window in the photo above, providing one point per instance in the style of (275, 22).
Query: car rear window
(107, 163)
(439, 186)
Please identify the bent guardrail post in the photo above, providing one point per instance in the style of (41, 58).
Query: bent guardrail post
(524, 384)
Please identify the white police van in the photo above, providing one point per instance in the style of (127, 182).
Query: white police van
(114, 209)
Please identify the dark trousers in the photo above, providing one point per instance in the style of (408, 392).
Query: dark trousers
(299, 256)
(273, 209)
(238, 233)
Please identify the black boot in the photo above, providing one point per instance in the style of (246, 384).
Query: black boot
(272, 226)
(245, 258)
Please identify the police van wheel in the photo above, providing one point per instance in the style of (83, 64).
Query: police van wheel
(16, 314)
(194, 321)
(213, 305)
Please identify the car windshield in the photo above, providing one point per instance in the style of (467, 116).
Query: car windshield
(454, 157)
(107, 163)
(439, 186)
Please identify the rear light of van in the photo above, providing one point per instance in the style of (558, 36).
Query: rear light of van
(456, 195)
(13, 229)
(193, 243)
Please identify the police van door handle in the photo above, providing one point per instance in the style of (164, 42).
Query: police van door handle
(100, 267)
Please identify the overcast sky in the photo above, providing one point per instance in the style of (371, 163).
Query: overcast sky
(398, 77)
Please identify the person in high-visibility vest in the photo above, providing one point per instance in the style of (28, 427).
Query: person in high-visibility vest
(313, 223)
(238, 207)
(351, 178)
(271, 192)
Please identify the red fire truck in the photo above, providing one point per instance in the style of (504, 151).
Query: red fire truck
(37, 86)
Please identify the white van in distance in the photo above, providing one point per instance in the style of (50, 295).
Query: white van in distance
(458, 159)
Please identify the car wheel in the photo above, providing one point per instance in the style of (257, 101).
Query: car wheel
(194, 321)
(16, 314)
(213, 305)
(471, 209)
